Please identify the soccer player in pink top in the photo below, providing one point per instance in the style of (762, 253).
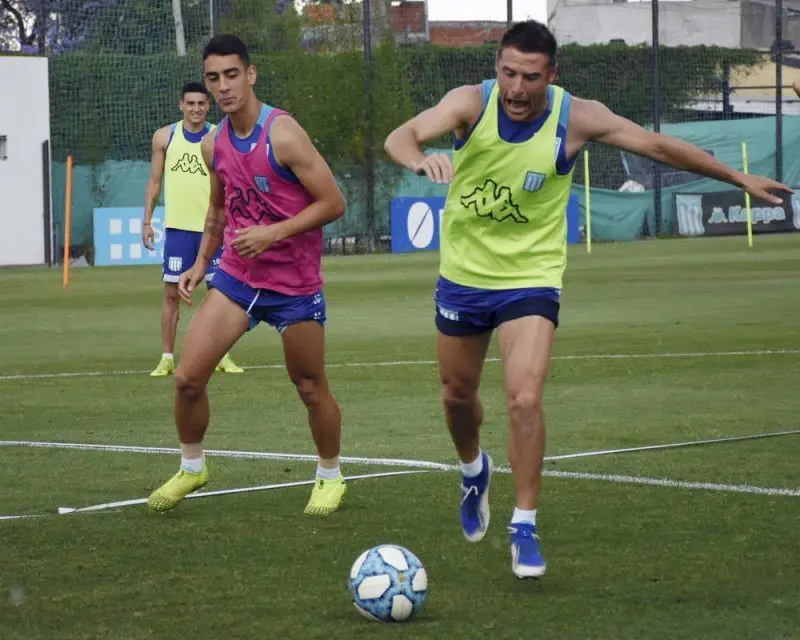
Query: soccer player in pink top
(271, 194)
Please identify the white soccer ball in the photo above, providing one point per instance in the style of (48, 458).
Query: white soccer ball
(388, 583)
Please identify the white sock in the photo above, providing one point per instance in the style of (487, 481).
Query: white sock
(474, 468)
(193, 465)
(167, 355)
(324, 473)
(524, 516)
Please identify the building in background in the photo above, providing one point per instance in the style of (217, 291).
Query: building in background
(723, 23)
(410, 24)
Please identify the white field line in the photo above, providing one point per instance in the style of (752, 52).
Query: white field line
(676, 484)
(571, 475)
(224, 492)
(671, 445)
(390, 462)
(425, 465)
(220, 453)
(62, 511)
(405, 363)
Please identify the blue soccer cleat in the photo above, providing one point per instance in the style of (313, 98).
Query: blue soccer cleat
(475, 502)
(526, 558)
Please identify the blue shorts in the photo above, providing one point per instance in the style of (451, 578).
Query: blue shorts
(467, 311)
(180, 251)
(262, 305)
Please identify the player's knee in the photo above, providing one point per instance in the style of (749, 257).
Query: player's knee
(187, 387)
(310, 389)
(524, 403)
(171, 296)
(456, 395)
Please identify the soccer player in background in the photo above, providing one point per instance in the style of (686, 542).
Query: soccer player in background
(271, 194)
(503, 250)
(176, 149)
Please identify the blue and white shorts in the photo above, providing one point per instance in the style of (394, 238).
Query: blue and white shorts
(180, 251)
(467, 311)
(263, 305)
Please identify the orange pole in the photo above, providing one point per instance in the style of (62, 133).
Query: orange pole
(67, 220)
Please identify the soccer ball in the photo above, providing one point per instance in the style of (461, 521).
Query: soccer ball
(388, 583)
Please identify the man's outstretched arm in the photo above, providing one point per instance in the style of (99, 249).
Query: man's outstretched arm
(593, 121)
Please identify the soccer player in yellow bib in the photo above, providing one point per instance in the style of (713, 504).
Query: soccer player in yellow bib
(503, 250)
(176, 149)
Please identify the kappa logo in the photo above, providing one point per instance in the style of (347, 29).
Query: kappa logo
(189, 163)
(494, 202)
(251, 205)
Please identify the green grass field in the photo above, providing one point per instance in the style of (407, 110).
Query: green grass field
(660, 342)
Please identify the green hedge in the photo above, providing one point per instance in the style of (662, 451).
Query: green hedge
(106, 106)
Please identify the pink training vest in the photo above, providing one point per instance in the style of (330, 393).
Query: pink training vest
(254, 195)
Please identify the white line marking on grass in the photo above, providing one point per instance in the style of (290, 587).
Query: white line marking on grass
(676, 484)
(405, 363)
(220, 453)
(671, 445)
(389, 462)
(224, 492)
(63, 511)
(570, 475)
(439, 466)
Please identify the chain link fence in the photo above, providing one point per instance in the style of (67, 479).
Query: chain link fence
(350, 73)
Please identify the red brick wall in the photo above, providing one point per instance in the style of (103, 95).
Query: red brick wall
(465, 34)
(409, 16)
(319, 13)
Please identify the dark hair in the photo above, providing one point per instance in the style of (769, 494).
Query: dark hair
(530, 37)
(226, 44)
(194, 87)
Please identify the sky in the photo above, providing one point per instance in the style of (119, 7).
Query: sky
(486, 10)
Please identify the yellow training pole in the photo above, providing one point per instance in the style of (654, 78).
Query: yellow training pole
(588, 203)
(747, 201)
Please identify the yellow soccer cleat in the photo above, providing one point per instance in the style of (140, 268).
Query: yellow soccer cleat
(227, 365)
(165, 367)
(169, 494)
(326, 497)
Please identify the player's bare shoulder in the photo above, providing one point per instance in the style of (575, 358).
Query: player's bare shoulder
(285, 129)
(467, 102)
(581, 110)
(207, 146)
(289, 140)
(586, 119)
(161, 138)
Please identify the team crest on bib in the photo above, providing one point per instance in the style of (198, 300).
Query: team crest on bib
(262, 183)
(533, 181)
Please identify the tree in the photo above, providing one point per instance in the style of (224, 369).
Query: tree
(17, 25)
(113, 26)
(265, 25)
